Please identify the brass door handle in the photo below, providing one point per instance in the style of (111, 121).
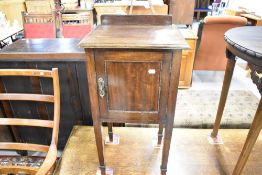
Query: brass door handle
(101, 87)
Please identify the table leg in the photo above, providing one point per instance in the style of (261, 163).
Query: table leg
(250, 141)
(226, 84)
(160, 133)
(171, 106)
(110, 131)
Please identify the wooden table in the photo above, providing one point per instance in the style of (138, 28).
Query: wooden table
(137, 154)
(245, 43)
(46, 54)
(133, 74)
(254, 20)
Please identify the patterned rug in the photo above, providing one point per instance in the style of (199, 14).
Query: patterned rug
(197, 109)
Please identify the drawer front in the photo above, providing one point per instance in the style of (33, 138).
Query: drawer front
(131, 85)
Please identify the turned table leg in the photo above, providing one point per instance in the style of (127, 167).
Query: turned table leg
(226, 84)
(250, 141)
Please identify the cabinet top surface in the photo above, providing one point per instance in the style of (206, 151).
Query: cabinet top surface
(135, 37)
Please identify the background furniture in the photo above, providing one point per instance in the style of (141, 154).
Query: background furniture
(46, 54)
(245, 43)
(182, 11)
(40, 6)
(202, 6)
(52, 122)
(77, 25)
(123, 8)
(188, 57)
(253, 20)
(211, 45)
(39, 25)
(12, 9)
(130, 80)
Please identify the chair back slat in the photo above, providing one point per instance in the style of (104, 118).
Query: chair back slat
(23, 146)
(26, 72)
(13, 169)
(27, 97)
(27, 122)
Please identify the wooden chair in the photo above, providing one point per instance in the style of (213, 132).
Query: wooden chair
(39, 25)
(77, 25)
(51, 150)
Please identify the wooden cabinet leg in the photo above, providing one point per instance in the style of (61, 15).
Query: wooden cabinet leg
(250, 141)
(226, 84)
(160, 134)
(171, 106)
(110, 132)
(90, 64)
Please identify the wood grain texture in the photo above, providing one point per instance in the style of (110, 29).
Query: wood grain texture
(23, 146)
(125, 90)
(190, 153)
(136, 20)
(43, 49)
(27, 97)
(27, 122)
(135, 36)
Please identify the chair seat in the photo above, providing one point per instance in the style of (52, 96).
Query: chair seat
(76, 31)
(27, 161)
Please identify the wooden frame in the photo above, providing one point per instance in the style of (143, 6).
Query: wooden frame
(51, 150)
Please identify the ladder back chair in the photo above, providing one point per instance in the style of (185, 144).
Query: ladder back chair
(39, 25)
(51, 150)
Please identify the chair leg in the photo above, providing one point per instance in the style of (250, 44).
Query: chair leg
(160, 133)
(226, 84)
(110, 132)
(250, 141)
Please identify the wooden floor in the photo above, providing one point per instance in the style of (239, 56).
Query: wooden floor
(191, 154)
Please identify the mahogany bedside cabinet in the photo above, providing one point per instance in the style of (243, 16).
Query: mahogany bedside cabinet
(245, 43)
(133, 66)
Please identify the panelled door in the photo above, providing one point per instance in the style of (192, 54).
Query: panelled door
(132, 89)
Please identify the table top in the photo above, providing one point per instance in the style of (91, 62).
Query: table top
(63, 48)
(135, 37)
(248, 40)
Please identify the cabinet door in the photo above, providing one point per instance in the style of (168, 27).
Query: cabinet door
(130, 85)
